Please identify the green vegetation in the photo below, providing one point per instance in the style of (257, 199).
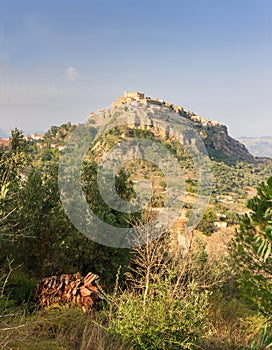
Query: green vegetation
(252, 250)
(238, 178)
(35, 231)
(163, 297)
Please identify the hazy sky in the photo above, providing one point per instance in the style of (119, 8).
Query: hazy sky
(60, 60)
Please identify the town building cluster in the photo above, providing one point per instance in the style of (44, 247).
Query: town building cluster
(130, 97)
(4, 143)
(38, 139)
(34, 137)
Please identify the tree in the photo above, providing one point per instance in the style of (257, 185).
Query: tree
(124, 188)
(206, 225)
(251, 250)
(14, 166)
(18, 143)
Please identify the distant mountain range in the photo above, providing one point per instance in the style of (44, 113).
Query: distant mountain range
(258, 146)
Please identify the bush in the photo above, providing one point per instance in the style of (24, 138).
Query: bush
(165, 305)
(161, 321)
(20, 288)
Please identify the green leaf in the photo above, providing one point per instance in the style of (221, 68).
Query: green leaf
(260, 247)
(268, 252)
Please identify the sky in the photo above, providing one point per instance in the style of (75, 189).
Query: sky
(61, 60)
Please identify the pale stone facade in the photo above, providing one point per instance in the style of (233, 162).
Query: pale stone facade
(130, 97)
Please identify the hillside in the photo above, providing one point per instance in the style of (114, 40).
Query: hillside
(235, 170)
(220, 146)
(167, 290)
(258, 146)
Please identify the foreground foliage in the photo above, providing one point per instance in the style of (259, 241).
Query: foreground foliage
(251, 250)
(168, 300)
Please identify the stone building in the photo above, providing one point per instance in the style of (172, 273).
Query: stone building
(134, 95)
(130, 97)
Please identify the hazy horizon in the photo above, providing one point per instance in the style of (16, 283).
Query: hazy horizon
(59, 61)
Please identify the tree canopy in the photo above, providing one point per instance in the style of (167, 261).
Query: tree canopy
(251, 249)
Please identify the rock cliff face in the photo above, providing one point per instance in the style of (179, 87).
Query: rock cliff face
(220, 146)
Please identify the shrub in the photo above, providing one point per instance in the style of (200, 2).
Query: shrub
(164, 306)
(20, 288)
(161, 321)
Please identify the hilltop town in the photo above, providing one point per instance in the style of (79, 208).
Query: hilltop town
(136, 98)
(220, 146)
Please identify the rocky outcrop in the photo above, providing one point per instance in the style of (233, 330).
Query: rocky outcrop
(220, 146)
